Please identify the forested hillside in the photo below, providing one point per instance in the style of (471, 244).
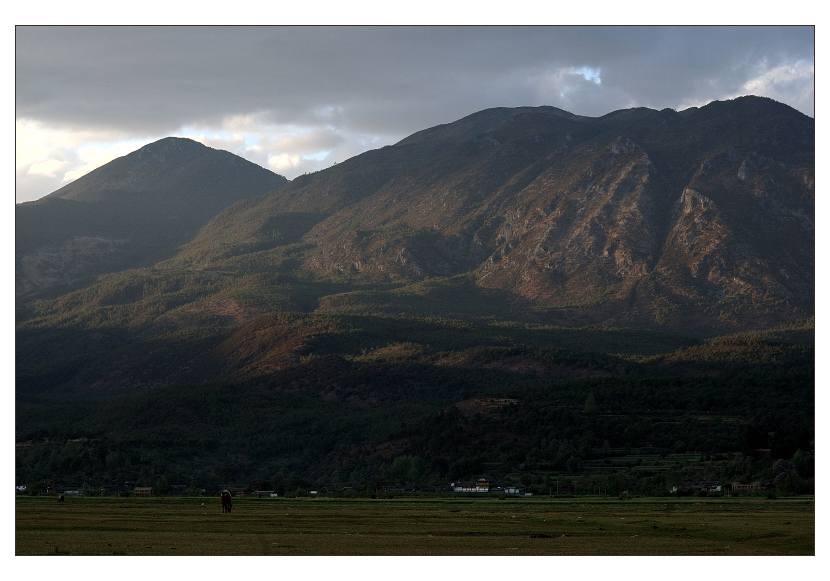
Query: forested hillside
(367, 403)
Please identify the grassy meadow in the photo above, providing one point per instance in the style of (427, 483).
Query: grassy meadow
(415, 526)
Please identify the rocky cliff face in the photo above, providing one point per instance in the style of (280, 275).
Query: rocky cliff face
(646, 208)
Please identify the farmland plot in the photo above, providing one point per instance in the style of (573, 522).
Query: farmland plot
(417, 526)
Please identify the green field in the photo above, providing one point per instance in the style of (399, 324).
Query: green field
(415, 526)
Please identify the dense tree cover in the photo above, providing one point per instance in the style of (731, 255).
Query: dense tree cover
(392, 416)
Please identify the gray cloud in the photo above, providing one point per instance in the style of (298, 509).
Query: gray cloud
(370, 86)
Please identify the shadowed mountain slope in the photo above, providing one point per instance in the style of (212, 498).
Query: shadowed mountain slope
(132, 211)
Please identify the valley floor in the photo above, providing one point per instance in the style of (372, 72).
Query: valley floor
(415, 526)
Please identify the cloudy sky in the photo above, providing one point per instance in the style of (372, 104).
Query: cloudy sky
(298, 99)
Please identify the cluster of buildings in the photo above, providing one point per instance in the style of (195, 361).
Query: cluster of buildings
(107, 490)
(714, 486)
(483, 485)
(486, 485)
(757, 485)
(702, 486)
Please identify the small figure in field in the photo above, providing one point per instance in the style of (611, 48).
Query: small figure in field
(60, 498)
(226, 500)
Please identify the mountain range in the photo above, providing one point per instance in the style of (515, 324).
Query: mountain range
(639, 216)
(524, 256)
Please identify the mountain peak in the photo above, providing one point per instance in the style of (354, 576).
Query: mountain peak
(172, 144)
(745, 105)
(170, 166)
(132, 210)
(481, 122)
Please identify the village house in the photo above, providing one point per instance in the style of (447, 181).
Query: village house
(143, 490)
(516, 489)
